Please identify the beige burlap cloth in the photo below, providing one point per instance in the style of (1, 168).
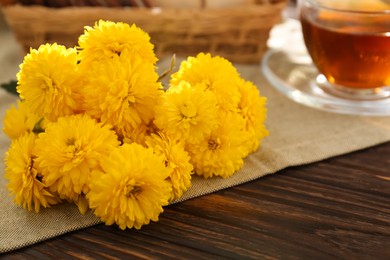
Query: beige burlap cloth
(298, 135)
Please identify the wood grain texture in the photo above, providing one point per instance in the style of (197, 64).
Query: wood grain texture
(334, 209)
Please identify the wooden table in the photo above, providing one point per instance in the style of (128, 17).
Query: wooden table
(337, 208)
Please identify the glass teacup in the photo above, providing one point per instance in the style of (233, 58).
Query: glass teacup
(349, 43)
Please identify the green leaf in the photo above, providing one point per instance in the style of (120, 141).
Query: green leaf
(169, 70)
(10, 87)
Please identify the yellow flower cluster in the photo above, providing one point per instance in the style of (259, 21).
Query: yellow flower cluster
(95, 126)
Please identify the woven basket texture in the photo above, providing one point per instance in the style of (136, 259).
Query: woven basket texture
(237, 33)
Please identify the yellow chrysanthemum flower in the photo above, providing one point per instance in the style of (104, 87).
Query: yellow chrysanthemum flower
(48, 81)
(132, 190)
(122, 92)
(25, 180)
(187, 112)
(176, 160)
(137, 135)
(252, 108)
(221, 152)
(107, 39)
(19, 121)
(69, 150)
(216, 73)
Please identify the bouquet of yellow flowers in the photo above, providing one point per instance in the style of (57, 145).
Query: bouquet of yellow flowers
(96, 127)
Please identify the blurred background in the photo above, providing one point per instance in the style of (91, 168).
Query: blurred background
(240, 35)
(10, 53)
(2, 21)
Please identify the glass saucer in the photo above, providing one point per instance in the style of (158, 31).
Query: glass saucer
(301, 82)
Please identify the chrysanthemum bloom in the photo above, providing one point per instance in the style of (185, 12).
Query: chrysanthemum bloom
(221, 152)
(216, 73)
(176, 159)
(137, 135)
(48, 81)
(19, 121)
(252, 108)
(122, 92)
(69, 150)
(107, 39)
(25, 181)
(187, 112)
(132, 190)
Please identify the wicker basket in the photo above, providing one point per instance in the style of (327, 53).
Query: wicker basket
(237, 33)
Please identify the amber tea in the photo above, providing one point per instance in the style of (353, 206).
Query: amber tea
(350, 50)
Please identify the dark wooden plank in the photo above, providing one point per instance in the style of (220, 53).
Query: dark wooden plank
(337, 208)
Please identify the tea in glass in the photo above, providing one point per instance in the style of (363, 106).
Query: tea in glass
(349, 42)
